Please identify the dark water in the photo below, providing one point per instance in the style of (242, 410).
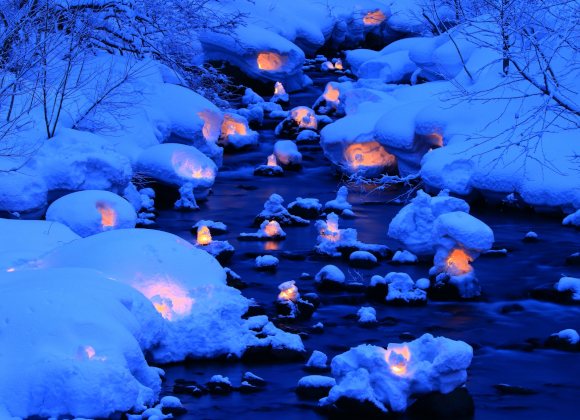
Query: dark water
(554, 375)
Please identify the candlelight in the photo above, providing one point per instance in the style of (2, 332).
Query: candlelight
(279, 89)
(187, 167)
(338, 64)
(397, 358)
(108, 215)
(305, 117)
(272, 228)
(10, 270)
(272, 160)
(269, 61)
(203, 235)
(374, 18)
(170, 300)
(331, 94)
(367, 154)
(86, 352)
(288, 291)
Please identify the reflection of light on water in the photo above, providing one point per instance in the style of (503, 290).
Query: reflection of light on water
(108, 215)
(272, 246)
(269, 61)
(203, 235)
(374, 18)
(187, 165)
(367, 154)
(458, 263)
(397, 357)
(10, 270)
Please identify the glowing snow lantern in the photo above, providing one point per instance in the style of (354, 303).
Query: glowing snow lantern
(272, 160)
(169, 298)
(305, 117)
(374, 18)
(397, 358)
(331, 94)
(108, 215)
(288, 291)
(458, 263)
(338, 64)
(279, 89)
(203, 235)
(272, 228)
(269, 61)
(187, 166)
(367, 154)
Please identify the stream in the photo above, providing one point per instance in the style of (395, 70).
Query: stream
(552, 374)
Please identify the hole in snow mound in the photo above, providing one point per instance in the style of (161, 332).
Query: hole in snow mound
(108, 215)
(374, 18)
(367, 154)
(168, 298)
(269, 61)
(458, 263)
(188, 166)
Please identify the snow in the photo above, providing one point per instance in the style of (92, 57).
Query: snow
(317, 360)
(219, 379)
(266, 261)
(413, 224)
(81, 351)
(423, 284)
(176, 164)
(572, 219)
(367, 314)
(24, 240)
(186, 201)
(306, 203)
(362, 255)
(330, 273)
(531, 235)
(287, 153)
(404, 257)
(390, 377)
(570, 335)
(251, 97)
(274, 210)
(569, 284)
(307, 135)
(169, 401)
(268, 229)
(236, 133)
(340, 203)
(219, 226)
(316, 381)
(90, 212)
(402, 287)
(395, 67)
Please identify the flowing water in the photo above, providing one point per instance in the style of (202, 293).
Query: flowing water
(554, 375)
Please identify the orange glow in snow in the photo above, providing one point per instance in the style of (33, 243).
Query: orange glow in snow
(458, 263)
(338, 64)
(304, 117)
(289, 294)
(271, 229)
(203, 235)
(367, 154)
(10, 270)
(188, 167)
(168, 297)
(272, 246)
(279, 89)
(374, 18)
(269, 61)
(331, 94)
(108, 215)
(397, 358)
(272, 160)
(235, 128)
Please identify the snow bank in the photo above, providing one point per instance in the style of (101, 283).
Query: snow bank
(90, 212)
(80, 352)
(176, 164)
(388, 378)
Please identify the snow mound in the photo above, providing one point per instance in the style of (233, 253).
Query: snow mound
(413, 224)
(80, 352)
(287, 153)
(340, 203)
(569, 284)
(90, 212)
(572, 219)
(186, 285)
(388, 378)
(403, 289)
(23, 241)
(404, 257)
(367, 315)
(569, 335)
(236, 134)
(317, 360)
(176, 164)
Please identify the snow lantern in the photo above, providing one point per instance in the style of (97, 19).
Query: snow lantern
(331, 94)
(367, 155)
(92, 211)
(397, 358)
(329, 229)
(374, 18)
(271, 228)
(231, 125)
(189, 167)
(338, 65)
(272, 160)
(269, 61)
(305, 117)
(279, 89)
(203, 235)
(288, 292)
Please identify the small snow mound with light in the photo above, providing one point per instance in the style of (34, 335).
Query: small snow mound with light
(90, 212)
(389, 378)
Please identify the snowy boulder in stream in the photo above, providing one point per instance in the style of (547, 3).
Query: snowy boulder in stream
(275, 211)
(80, 352)
(288, 155)
(236, 134)
(186, 285)
(91, 212)
(175, 164)
(372, 380)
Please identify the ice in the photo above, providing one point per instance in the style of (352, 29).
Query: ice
(90, 212)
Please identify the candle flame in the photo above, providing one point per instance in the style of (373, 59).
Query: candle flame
(338, 64)
(272, 228)
(108, 215)
(288, 291)
(370, 153)
(10, 270)
(272, 160)
(188, 167)
(203, 235)
(397, 358)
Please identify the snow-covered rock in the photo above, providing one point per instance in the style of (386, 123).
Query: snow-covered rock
(570, 285)
(572, 219)
(367, 315)
(330, 277)
(340, 203)
(287, 154)
(90, 212)
(269, 231)
(275, 211)
(236, 134)
(80, 352)
(314, 386)
(176, 164)
(404, 257)
(388, 378)
(362, 259)
(298, 119)
(266, 263)
(403, 290)
(306, 208)
(317, 360)
(251, 97)
(186, 201)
